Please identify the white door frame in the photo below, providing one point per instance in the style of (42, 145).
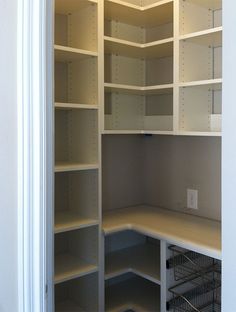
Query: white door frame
(35, 154)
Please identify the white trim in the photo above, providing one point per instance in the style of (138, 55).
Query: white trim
(34, 159)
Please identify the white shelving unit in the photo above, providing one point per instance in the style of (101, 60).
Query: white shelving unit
(128, 68)
(77, 223)
(157, 61)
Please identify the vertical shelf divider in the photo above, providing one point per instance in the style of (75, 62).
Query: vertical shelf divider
(163, 275)
(100, 23)
(176, 69)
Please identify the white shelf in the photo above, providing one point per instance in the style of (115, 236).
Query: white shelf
(73, 166)
(70, 6)
(74, 106)
(210, 37)
(71, 220)
(215, 84)
(77, 295)
(122, 132)
(138, 132)
(184, 133)
(159, 89)
(135, 293)
(147, 16)
(158, 132)
(200, 133)
(143, 260)
(187, 231)
(68, 267)
(68, 54)
(156, 49)
(68, 306)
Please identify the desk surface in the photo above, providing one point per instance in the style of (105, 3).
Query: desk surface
(191, 232)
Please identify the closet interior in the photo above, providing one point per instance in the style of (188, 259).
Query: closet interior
(138, 102)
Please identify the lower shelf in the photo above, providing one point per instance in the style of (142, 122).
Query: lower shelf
(134, 293)
(68, 267)
(143, 260)
(71, 220)
(78, 295)
(76, 254)
(68, 306)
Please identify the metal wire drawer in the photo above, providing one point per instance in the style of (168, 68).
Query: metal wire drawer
(197, 294)
(189, 264)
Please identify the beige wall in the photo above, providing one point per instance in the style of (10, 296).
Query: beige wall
(157, 170)
(122, 171)
(174, 164)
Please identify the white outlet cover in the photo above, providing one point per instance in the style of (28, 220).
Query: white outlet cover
(192, 199)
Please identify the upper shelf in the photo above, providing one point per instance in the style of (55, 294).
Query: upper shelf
(68, 54)
(213, 84)
(210, 37)
(65, 106)
(146, 16)
(156, 49)
(187, 231)
(156, 132)
(159, 89)
(68, 267)
(69, 6)
(71, 220)
(199, 133)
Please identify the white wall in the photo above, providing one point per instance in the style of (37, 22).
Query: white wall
(229, 155)
(8, 157)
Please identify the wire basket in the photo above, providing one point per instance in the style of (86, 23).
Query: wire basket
(197, 294)
(189, 264)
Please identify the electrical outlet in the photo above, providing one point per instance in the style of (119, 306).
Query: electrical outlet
(192, 199)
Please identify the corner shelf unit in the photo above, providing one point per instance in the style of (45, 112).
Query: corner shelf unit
(149, 63)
